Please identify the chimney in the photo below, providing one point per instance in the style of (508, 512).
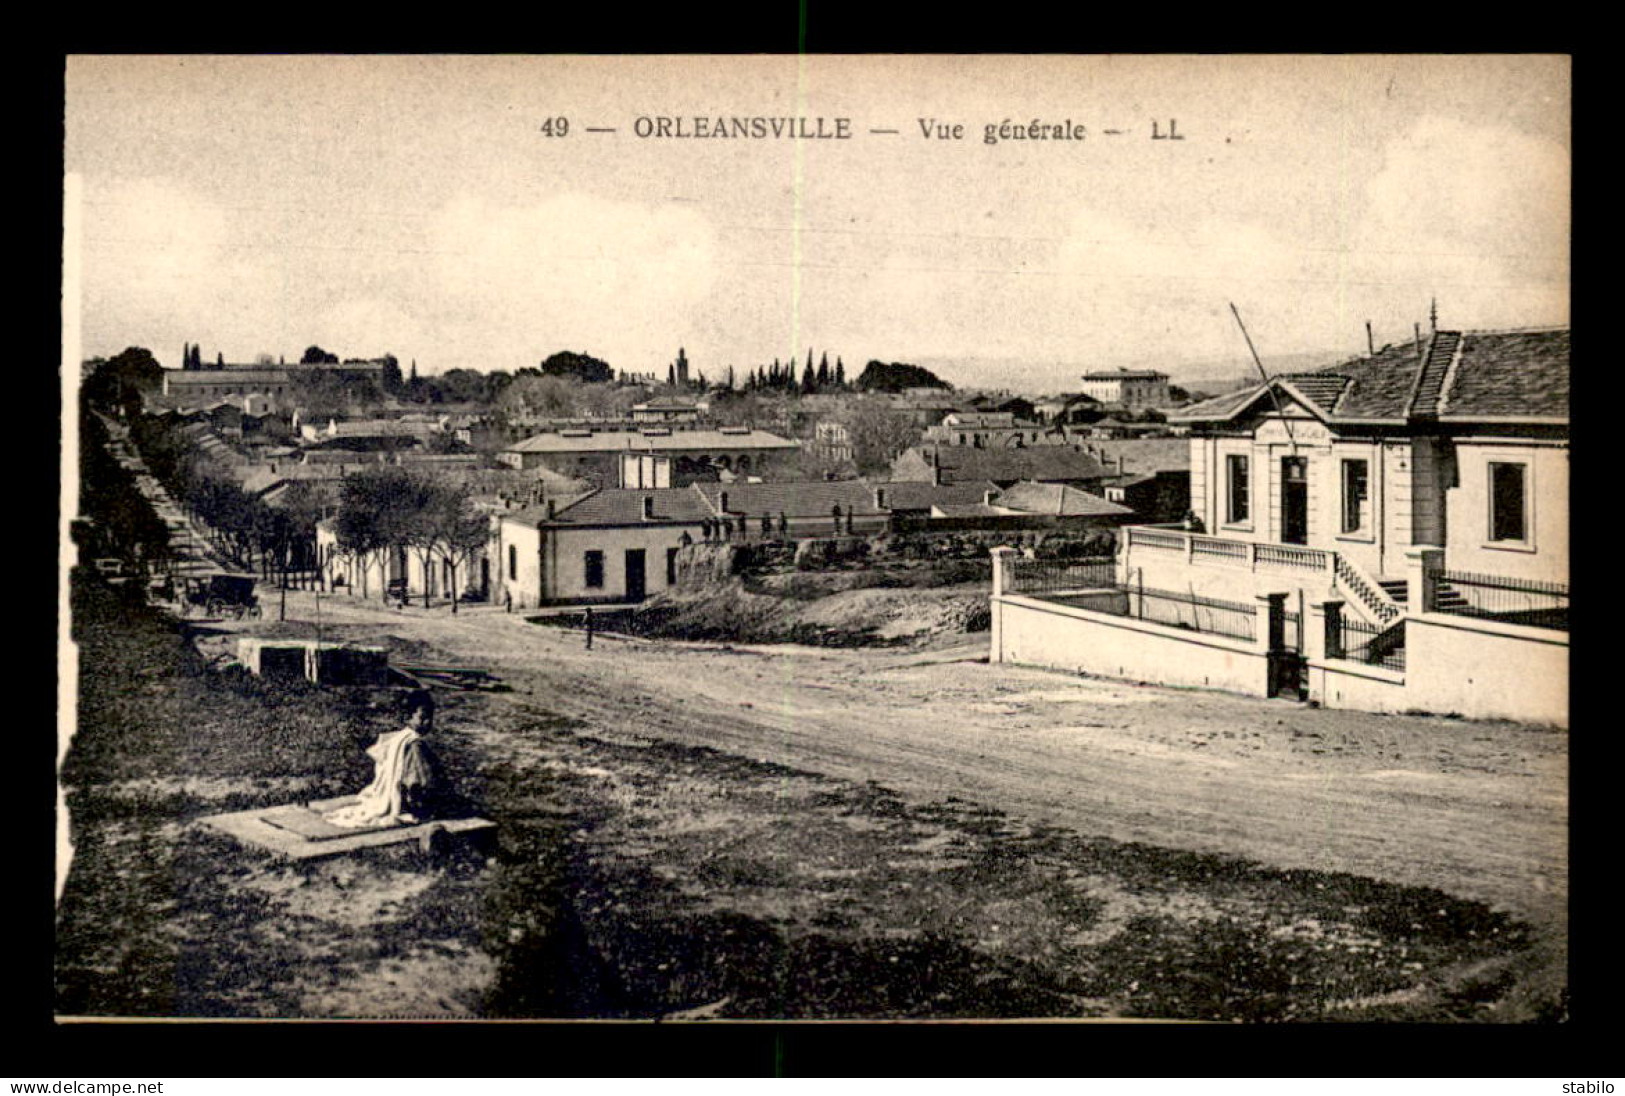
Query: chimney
(880, 498)
(722, 502)
(551, 508)
(648, 507)
(987, 498)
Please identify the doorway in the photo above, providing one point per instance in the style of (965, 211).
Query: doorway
(1295, 500)
(637, 583)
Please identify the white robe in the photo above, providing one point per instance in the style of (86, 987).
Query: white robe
(398, 762)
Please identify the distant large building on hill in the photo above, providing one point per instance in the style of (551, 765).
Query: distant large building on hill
(235, 380)
(1132, 389)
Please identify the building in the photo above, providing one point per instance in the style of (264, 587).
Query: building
(669, 409)
(990, 430)
(808, 508)
(1399, 522)
(230, 382)
(1155, 497)
(1061, 500)
(596, 455)
(1452, 442)
(233, 380)
(613, 546)
(1019, 406)
(1131, 389)
(416, 429)
(1005, 466)
(832, 441)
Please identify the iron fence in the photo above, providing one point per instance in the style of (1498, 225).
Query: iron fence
(1235, 619)
(1291, 631)
(1053, 576)
(1509, 600)
(1373, 644)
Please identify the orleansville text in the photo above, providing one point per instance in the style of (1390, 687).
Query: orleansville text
(796, 127)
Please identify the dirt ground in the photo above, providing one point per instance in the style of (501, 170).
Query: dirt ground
(705, 830)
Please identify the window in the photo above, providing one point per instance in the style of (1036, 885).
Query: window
(594, 563)
(513, 561)
(1508, 502)
(1236, 481)
(1356, 493)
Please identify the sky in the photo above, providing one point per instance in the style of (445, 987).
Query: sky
(413, 205)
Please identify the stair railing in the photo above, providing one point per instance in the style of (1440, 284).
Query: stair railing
(1373, 597)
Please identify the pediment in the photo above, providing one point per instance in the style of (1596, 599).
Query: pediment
(1264, 409)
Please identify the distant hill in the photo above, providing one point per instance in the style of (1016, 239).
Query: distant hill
(880, 376)
(1030, 377)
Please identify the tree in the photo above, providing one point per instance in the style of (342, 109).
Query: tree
(462, 386)
(115, 386)
(807, 375)
(881, 376)
(220, 359)
(315, 355)
(548, 397)
(454, 530)
(823, 371)
(840, 373)
(377, 509)
(583, 367)
(390, 378)
(879, 433)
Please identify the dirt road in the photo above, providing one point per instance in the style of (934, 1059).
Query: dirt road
(1475, 809)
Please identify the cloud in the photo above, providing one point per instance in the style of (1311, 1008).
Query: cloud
(1481, 215)
(572, 270)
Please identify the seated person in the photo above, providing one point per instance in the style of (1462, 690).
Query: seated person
(405, 784)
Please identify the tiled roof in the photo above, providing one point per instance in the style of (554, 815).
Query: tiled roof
(1489, 374)
(1380, 386)
(1145, 454)
(968, 510)
(1125, 375)
(636, 441)
(802, 500)
(667, 403)
(1217, 407)
(1059, 499)
(1517, 373)
(623, 506)
(1320, 389)
(1042, 462)
(186, 378)
(915, 495)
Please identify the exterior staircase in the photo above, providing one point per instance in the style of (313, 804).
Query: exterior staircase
(1431, 383)
(1446, 597)
(1376, 602)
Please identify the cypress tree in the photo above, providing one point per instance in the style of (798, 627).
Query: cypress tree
(823, 370)
(840, 373)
